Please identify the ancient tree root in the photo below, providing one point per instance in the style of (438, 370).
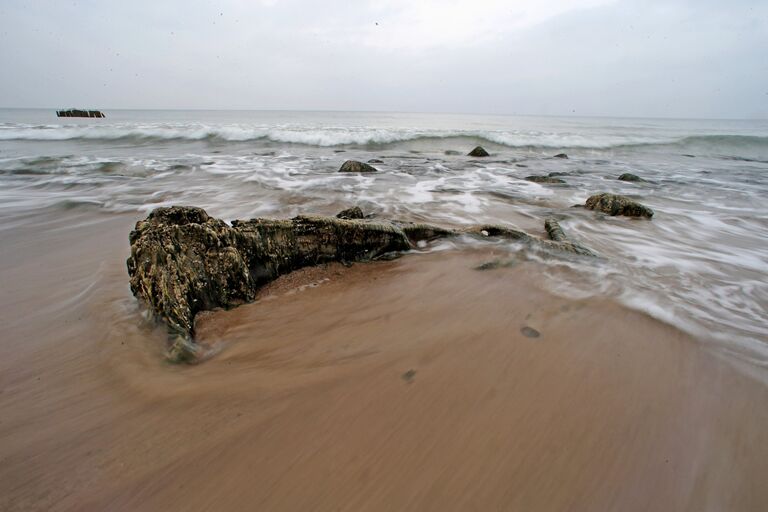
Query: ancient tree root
(183, 261)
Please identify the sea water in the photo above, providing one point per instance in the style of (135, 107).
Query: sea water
(700, 264)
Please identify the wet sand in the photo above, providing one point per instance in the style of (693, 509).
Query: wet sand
(415, 384)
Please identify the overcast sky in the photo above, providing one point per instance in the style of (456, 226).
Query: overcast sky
(591, 57)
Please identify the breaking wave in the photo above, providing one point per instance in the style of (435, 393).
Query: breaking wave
(363, 136)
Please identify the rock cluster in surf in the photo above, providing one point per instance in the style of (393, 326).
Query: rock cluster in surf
(183, 261)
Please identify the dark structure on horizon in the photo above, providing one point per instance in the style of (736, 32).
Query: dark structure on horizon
(73, 112)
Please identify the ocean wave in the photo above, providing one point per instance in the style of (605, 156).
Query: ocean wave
(362, 136)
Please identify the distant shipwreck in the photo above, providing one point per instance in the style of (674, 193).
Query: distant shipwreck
(74, 112)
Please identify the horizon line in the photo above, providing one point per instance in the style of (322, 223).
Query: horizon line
(515, 114)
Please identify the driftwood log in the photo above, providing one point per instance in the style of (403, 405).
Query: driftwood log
(183, 261)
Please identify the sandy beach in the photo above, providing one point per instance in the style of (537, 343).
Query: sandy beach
(414, 384)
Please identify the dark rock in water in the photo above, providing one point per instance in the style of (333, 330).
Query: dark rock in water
(452, 152)
(339, 150)
(351, 213)
(614, 204)
(544, 179)
(627, 176)
(375, 161)
(520, 165)
(554, 230)
(689, 156)
(563, 243)
(530, 332)
(183, 261)
(478, 151)
(355, 166)
(76, 112)
(560, 155)
(408, 376)
(555, 174)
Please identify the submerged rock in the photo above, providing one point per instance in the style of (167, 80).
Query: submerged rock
(614, 204)
(478, 151)
(628, 176)
(560, 155)
(183, 261)
(544, 179)
(375, 161)
(554, 230)
(351, 213)
(561, 241)
(492, 265)
(355, 166)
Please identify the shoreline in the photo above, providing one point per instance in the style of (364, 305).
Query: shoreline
(399, 384)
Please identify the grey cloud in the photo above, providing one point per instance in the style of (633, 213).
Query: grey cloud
(671, 59)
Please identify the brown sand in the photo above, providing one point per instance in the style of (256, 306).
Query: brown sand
(403, 385)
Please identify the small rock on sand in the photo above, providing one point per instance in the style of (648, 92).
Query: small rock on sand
(530, 332)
